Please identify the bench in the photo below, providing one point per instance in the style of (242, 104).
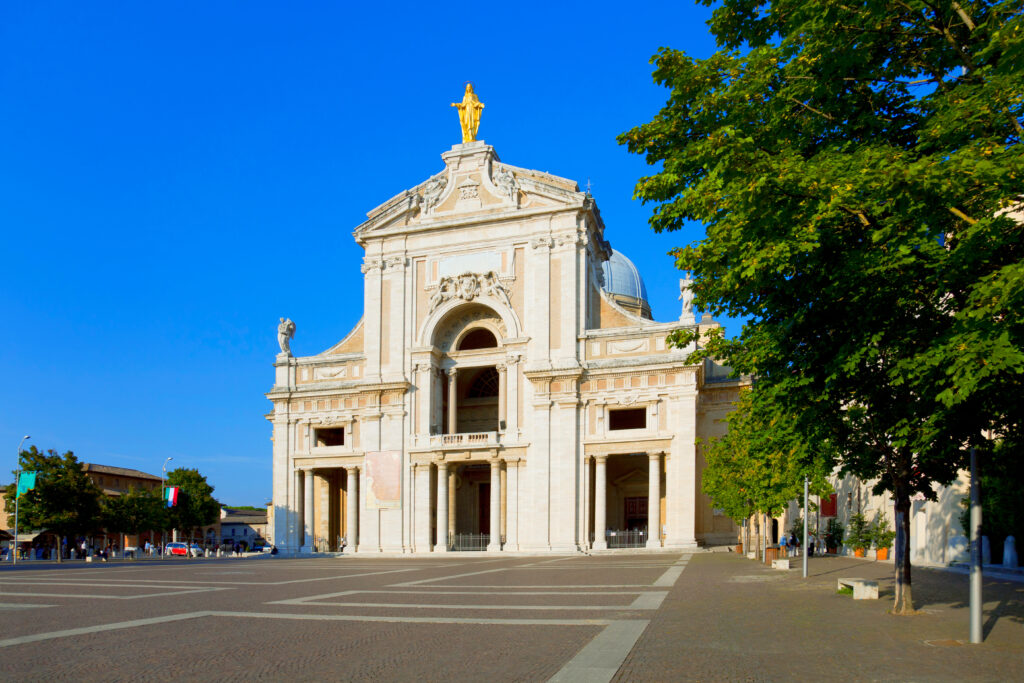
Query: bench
(780, 564)
(862, 588)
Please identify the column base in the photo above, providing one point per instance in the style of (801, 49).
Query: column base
(653, 543)
(681, 543)
(599, 545)
(493, 547)
(440, 548)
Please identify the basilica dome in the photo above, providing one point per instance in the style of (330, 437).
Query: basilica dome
(623, 282)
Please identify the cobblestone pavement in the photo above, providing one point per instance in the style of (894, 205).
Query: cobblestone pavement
(631, 617)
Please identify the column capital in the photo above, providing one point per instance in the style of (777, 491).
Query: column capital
(654, 456)
(601, 458)
(501, 367)
(451, 372)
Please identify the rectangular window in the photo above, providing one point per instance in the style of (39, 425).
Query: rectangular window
(333, 436)
(632, 418)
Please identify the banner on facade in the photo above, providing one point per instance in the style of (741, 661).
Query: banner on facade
(172, 496)
(383, 480)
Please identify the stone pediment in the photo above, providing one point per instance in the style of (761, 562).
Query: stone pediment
(473, 183)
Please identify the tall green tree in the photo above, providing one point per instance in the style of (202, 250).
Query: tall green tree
(64, 501)
(134, 511)
(759, 465)
(196, 505)
(858, 168)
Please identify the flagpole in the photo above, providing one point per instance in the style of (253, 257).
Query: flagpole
(163, 496)
(17, 496)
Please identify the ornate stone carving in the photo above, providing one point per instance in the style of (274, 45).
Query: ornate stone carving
(541, 243)
(371, 264)
(469, 189)
(285, 333)
(686, 296)
(507, 185)
(432, 193)
(394, 262)
(330, 373)
(467, 287)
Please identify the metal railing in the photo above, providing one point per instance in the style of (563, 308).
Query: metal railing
(632, 538)
(468, 541)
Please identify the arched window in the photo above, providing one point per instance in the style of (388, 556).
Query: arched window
(480, 338)
(485, 385)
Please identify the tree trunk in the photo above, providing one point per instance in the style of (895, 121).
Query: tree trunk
(60, 548)
(904, 603)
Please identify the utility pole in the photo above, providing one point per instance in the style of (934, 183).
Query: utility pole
(975, 599)
(806, 522)
(17, 496)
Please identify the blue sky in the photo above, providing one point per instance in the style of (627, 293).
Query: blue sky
(174, 177)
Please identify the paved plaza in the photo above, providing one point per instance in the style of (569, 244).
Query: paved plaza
(628, 617)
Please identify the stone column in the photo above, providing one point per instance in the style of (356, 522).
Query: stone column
(422, 418)
(495, 530)
(352, 508)
(512, 505)
(654, 500)
(421, 507)
(452, 391)
(442, 508)
(361, 486)
(512, 400)
(600, 503)
(502, 400)
(307, 515)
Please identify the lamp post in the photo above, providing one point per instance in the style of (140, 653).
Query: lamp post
(17, 498)
(163, 494)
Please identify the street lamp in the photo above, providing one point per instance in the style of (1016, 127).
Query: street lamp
(163, 493)
(17, 498)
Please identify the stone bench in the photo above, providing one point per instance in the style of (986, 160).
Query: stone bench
(862, 588)
(780, 564)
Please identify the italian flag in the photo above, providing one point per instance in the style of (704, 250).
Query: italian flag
(172, 496)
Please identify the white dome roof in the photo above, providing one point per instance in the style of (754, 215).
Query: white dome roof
(622, 277)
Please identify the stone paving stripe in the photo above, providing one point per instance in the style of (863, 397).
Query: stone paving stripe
(650, 600)
(11, 606)
(601, 658)
(421, 620)
(142, 582)
(99, 628)
(670, 576)
(115, 597)
(449, 577)
(538, 608)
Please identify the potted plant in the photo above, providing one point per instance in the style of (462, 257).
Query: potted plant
(883, 537)
(859, 534)
(833, 535)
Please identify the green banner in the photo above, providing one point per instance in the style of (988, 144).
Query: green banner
(26, 482)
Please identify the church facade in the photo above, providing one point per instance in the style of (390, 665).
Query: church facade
(505, 390)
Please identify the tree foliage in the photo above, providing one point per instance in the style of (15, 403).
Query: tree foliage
(858, 169)
(196, 505)
(760, 463)
(133, 512)
(64, 501)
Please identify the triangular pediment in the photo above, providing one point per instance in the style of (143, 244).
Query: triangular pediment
(474, 183)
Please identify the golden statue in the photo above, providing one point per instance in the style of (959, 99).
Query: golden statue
(469, 113)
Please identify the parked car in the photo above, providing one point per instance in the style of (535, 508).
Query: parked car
(197, 550)
(176, 548)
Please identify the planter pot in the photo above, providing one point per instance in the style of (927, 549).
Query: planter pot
(831, 550)
(882, 554)
(739, 549)
(858, 552)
